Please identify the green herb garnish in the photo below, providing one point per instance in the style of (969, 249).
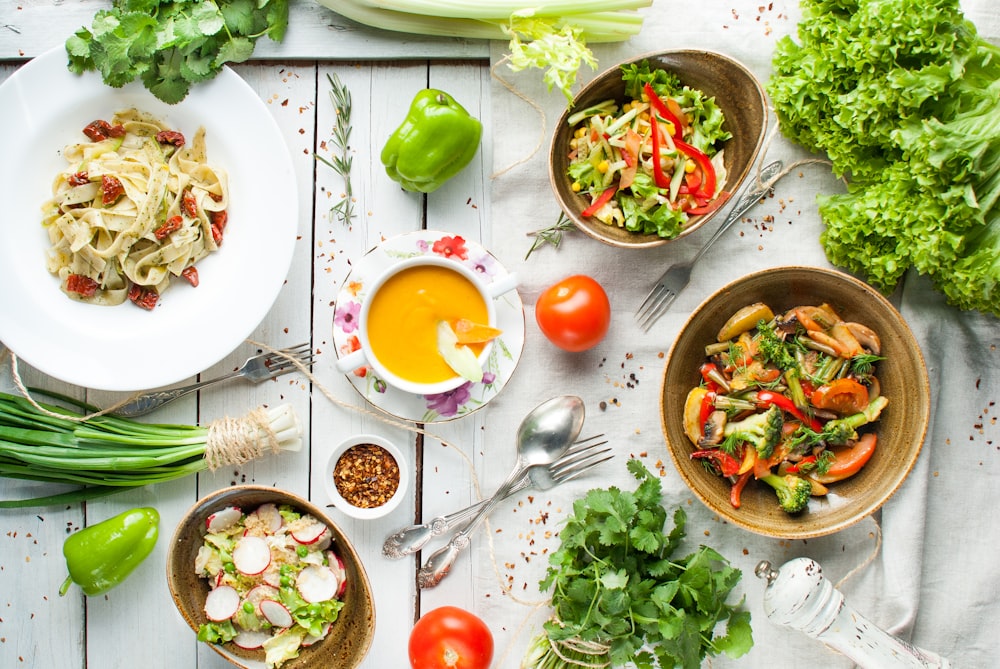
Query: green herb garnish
(172, 45)
(551, 235)
(621, 597)
(341, 161)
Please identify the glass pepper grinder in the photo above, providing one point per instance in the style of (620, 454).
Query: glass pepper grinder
(798, 596)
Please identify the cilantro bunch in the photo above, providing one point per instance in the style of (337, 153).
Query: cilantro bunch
(620, 596)
(172, 45)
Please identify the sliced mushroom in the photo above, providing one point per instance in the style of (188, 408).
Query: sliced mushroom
(715, 428)
(866, 337)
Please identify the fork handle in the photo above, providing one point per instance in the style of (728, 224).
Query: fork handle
(147, 402)
(411, 539)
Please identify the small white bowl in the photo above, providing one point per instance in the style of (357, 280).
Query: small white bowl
(362, 512)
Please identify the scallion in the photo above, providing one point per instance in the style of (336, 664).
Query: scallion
(106, 454)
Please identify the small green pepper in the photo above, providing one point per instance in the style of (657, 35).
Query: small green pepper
(99, 557)
(436, 140)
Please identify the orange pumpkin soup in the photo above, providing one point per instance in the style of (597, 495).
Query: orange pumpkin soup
(404, 314)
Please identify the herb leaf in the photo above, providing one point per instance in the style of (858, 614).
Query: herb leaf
(620, 596)
(172, 45)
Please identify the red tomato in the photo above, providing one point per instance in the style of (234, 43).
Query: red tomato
(574, 313)
(849, 459)
(845, 396)
(450, 638)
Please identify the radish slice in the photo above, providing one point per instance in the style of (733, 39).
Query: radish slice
(276, 613)
(224, 519)
(269, 517)
(317, 584)
(259, 593)
(251, 555)
(310, 534)
(222, 603)
(251, 639)
(337, 567)
(310, 639)
(324, 542)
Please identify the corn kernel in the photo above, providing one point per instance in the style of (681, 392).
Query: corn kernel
(669, 127)
(689, 166)
(603, 166)
(576, 187)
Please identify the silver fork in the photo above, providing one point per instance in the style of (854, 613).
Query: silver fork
(676, 278)
(260, 367)
(577, 461)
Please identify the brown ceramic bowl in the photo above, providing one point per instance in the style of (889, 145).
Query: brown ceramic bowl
(901, 427)
(350, 637)
(734, 88)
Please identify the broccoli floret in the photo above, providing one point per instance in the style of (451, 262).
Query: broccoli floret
(842, 430)
(763, 430)
(793, 492)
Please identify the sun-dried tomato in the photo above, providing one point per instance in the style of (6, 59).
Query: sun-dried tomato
(219, 218)
(189, 204)
(143, 297)
(100, 130)
(170, 137)
(78, 179)
(111, 189)
(217, 234)
(191, 274)
(82, 285)
(172, 224)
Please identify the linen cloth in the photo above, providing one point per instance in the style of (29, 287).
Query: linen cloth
(924, 567)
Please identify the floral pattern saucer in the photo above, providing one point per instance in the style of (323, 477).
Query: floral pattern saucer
(466, 398)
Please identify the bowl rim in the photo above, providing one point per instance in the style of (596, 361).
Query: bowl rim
(647, 241)
(299, 502)
(864, 510)
(346, 507)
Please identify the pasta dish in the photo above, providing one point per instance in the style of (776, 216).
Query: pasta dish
(136, 206)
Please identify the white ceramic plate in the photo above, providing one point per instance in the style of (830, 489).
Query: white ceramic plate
(45, 107)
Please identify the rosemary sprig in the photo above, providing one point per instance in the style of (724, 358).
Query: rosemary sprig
(341, 161)
(550, 235)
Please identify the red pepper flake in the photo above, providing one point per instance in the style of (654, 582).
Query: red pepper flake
(366, 476)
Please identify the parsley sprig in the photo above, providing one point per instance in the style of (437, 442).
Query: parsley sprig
(620, 596)
(172, 45)
(342, 160)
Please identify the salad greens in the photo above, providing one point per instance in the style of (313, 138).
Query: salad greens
(902, 96)
(654, 163)
(621, 596)
(170, 45)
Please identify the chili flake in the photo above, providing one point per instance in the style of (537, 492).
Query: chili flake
(366, 476)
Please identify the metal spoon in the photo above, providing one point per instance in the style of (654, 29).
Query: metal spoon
(543, 436)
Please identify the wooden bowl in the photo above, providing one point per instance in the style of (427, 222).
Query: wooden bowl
(350, 637)
(901, 427)
(737, 92)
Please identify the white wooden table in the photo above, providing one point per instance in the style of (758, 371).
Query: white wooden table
(136, 624)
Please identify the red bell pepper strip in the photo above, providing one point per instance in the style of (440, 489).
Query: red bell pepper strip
(708, 180)
(661, 109)
(707, 407)
(726, 463)
(658, 176)
(766, 397)
(737, 490)
(796, 467)
(711, 206)
(602, 200)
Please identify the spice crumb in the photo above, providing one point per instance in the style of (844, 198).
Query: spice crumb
(366, 476)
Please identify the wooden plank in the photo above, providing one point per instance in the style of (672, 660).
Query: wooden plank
(28, 29)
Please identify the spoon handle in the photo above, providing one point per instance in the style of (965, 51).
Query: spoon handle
(440, 562)
(411, 539)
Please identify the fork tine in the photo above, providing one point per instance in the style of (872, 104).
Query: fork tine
(575, 446)
(579, 470)
(661, 309)
(286, 365)
(293, 351)
(654, 294)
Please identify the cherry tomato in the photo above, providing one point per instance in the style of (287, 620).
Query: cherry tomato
(450, 638)
(844, 396)
(849, 460)
(574, 313)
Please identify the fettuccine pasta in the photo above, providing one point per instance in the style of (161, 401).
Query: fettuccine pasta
(136, 206)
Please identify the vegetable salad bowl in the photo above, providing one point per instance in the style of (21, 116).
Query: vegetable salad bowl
(350, 635)
(737, 93)
(900, 428)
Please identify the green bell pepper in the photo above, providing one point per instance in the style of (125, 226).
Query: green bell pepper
(99, 557)
(435, 141)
